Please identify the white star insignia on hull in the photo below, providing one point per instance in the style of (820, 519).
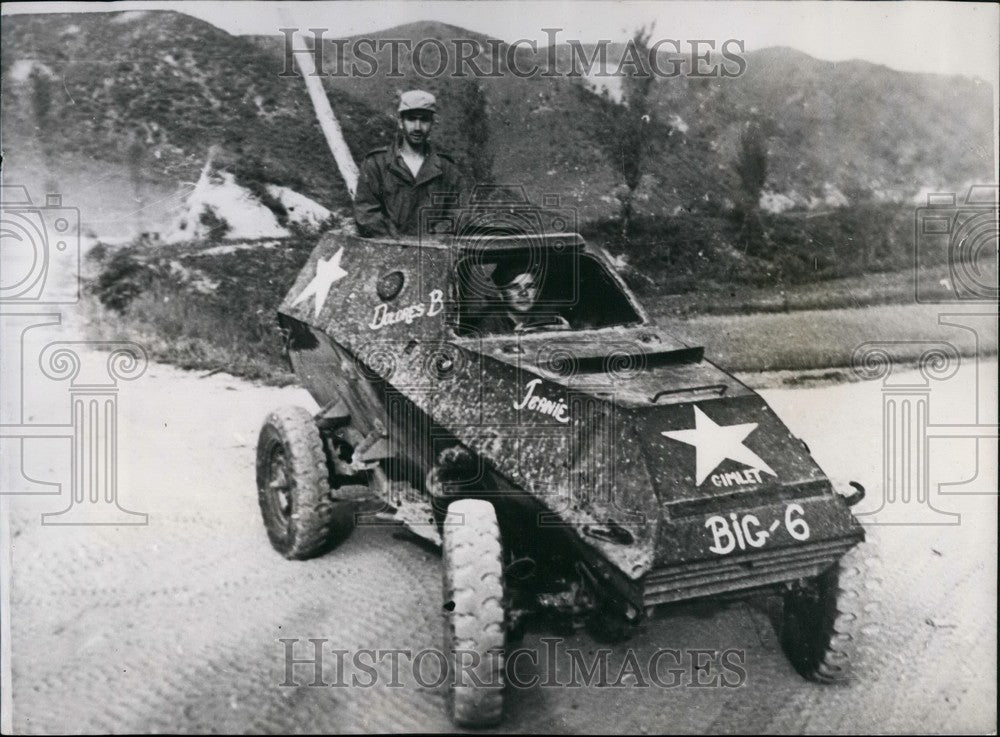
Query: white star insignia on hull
(327, 272)
(715, 443)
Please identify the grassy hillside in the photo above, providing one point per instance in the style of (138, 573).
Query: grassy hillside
(213, 308)
(147, 94)
(119, 111)
(199, 305)
(702, 251)
(153, 92)
(864, 130)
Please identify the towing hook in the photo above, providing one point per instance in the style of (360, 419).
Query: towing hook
(857, 495)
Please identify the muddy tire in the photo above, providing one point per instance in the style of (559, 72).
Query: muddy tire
(293, 489)
(474, 613)
(820, 625)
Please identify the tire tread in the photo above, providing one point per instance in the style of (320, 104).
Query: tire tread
(474, 585)
(317, 521)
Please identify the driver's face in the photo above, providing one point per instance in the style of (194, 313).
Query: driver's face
(416, 126)
(521, 293)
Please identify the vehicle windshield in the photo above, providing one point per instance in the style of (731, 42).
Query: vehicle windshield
(534, 291)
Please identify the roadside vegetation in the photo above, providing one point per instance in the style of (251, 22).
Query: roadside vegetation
(689, 188)
(199, 305)
(804, 340)
(693, 264)
(830, 283)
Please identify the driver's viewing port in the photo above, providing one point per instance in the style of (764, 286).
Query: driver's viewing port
(511, 292)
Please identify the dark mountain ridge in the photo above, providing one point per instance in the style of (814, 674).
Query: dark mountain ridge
(148, 94)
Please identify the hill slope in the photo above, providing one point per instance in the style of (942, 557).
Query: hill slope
(126, 106)
(146, 96)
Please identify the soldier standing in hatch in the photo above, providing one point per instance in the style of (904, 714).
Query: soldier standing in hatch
(397, 181)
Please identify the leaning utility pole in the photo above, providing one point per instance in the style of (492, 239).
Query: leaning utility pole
(325, 115)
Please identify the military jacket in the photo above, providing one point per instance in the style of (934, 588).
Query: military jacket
(389, 199)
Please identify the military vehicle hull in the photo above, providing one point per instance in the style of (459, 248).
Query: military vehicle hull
(624, 469)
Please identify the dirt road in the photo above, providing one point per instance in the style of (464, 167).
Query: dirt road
(175, 626)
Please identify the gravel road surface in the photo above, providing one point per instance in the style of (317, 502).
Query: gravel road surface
(176, 626)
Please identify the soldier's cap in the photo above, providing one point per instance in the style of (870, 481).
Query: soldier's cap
(508, 274)
(417, 100)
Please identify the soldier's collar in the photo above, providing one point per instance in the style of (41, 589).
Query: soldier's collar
(397, 148)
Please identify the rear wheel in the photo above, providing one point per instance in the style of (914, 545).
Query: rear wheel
(293, 489)
(475, 612)
(821, 622)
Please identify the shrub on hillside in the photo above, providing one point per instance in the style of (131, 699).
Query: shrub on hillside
(216, 227)
(203, 303)
(123, 277)
(690, 251)
(845, 241)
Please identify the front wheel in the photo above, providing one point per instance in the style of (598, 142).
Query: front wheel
(821, 623)
(293, 489)
(474, 612)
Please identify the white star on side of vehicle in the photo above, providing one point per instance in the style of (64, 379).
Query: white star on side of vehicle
(715, 443)
(327, 272)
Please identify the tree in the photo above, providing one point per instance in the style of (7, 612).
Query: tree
(45, 120)
(626, 128)
(633, 123)
(476, 122)
(751, 168)
(135, 152)
(751, 163)
(41, 98)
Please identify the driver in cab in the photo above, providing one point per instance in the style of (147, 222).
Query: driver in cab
(519, 311)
